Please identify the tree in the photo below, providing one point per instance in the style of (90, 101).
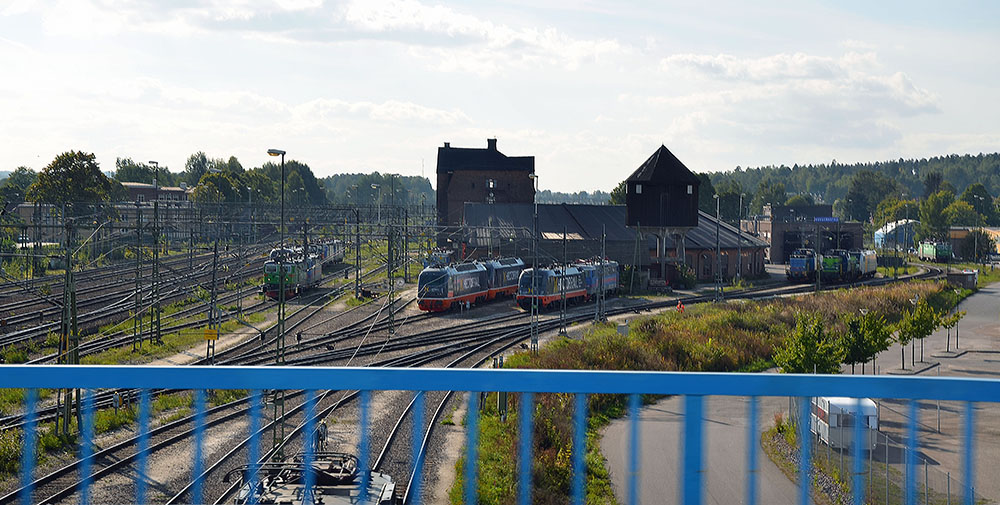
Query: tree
(195, 167)
(867, 335)
(127, 170)
(800, 200)
(977, 245)
(932, 183)
(893, 209)
(810, 349)
(706, 192)
(933, 220)
(960, 213)
(768, 193)
(916, 325)
(228, 186)
(949, 323)
(980, 200)
(74, 176)
(867, 189)
(15, 187)
(618, 194)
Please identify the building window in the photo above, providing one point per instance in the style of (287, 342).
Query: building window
(638, 189)
(706, 266)
(690, 189)
(142, 198)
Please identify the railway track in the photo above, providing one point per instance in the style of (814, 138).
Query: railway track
(437, 344)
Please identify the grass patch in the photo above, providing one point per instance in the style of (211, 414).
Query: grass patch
(173, 343)
(707, 337)
(105, 420)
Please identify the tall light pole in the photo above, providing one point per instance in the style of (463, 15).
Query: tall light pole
(718, 253)
(378, 202)
(154, 316)
(534, 269)
(739, 238)
(279, 350)
(250, 210)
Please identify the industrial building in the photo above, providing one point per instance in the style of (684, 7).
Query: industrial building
(896, 235)
(478, 175)
(787, 228)
(506, 229)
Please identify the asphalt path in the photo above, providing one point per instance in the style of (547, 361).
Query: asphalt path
(725, 450)
(978, 355)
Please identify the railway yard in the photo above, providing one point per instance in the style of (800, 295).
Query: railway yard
(322, 326)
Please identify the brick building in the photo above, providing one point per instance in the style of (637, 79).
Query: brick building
(479, 176)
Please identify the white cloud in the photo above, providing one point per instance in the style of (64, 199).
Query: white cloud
(471, 44)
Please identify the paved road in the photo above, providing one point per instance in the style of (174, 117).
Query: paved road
(726, 450)
(726, 423)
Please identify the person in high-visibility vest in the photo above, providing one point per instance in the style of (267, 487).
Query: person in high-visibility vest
(680, 306)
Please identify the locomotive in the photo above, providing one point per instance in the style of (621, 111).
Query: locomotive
(442, 287)
(935, 251)
(328, 252)
(802, 266)
(578, 282)
(840, 265)
(301, 272)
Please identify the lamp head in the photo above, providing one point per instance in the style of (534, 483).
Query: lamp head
(275, 152)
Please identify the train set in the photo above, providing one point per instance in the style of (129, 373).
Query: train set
(303, 269)
(443, 287)
(835, 265)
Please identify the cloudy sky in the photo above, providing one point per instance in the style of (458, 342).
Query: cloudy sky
(589, 88)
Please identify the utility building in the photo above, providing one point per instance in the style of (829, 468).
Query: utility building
(479, 176)
(661, 197)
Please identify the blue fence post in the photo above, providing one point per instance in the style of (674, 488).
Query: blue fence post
(860, 421)
(691, 487)
(254, 449)
(86, 443)
(911, 455)
(472, 448)
(416, 442)
(633, 448)
(805, 443)
(579, 490)
(526, 432)
(140, 472)
(28, 452)
(310, 440)
(752, 451)
(969, 470)
(199, 442)
(363, 450)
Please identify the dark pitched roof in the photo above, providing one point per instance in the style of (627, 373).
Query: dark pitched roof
(585, 222)
(663, 167)
(465, 158)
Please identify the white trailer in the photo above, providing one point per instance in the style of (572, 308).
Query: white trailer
(832, 420)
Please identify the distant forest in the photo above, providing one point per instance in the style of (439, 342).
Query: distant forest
(357, 189)
(827, 183)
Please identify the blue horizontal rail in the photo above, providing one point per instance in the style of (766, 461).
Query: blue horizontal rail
(694, 386)
(534, 381)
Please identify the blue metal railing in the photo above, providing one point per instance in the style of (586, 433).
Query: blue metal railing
(694, 386)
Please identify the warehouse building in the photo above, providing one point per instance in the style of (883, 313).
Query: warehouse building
(507, 230)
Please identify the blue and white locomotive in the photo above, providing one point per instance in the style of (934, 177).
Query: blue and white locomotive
(578, 282)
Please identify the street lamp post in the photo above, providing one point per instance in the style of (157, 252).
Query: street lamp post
(155, 307)
(279, 354)
(718, 253)
(739, 238)
(378, 202)
(534, 269)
